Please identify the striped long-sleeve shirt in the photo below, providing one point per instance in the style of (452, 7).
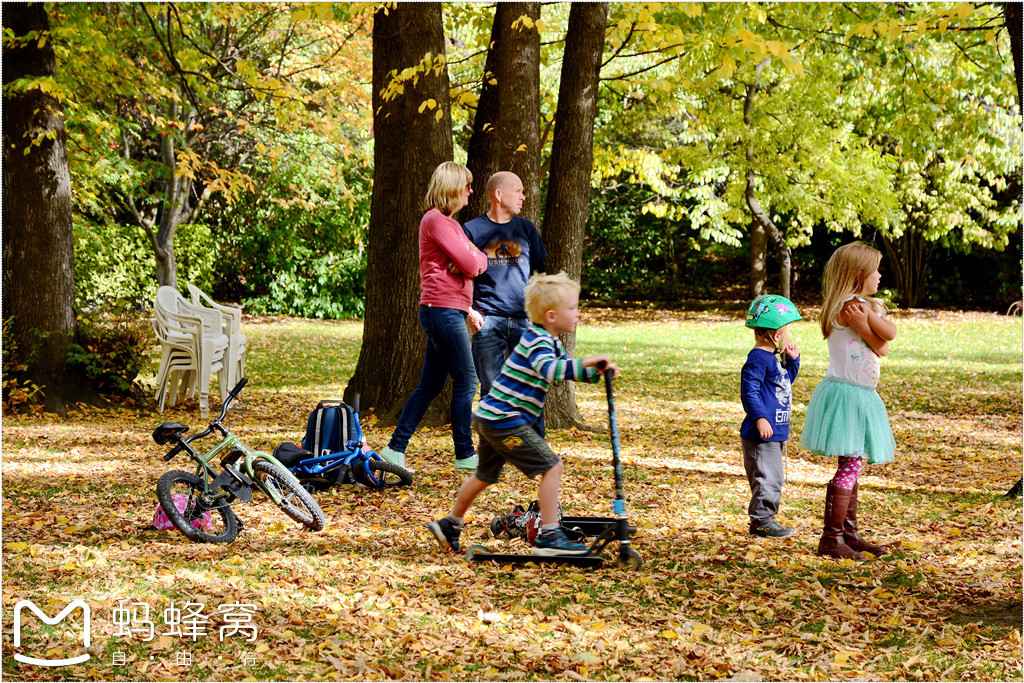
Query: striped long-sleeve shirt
(517, 396)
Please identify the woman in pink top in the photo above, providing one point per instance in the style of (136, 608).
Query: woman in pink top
(448, 263)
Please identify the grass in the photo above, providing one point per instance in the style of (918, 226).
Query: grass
(372, 597)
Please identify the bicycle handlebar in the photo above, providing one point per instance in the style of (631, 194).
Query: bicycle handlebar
(238, 387)
(232, 395)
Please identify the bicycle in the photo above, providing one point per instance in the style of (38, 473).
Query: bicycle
(356, 463)
(210, 491)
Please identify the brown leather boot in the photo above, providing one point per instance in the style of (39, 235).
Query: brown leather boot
(850, 529)
(832, 544)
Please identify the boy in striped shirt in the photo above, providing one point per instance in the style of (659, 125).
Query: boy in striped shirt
(505, 419)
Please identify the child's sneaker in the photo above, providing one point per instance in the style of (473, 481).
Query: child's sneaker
(771, 529)
(446, 533)
(557, 543)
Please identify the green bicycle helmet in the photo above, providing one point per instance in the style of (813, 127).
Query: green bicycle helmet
(771, 312)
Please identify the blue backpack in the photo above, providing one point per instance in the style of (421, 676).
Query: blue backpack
(329, 428)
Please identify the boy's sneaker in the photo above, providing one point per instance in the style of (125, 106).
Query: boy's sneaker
(557, 543)
(446, 533)
(392, 456)
(469, 463)
(771, 529)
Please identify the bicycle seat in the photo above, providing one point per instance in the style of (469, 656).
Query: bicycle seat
(289, 455)
(168, 431)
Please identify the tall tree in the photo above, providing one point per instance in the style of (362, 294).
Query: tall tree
(1014, 17)
(181, 101)
(763, 224)
(506, 128)
(572, 159)
(38, 254)
(412, 135)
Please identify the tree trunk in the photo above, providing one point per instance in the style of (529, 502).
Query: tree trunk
(758, 260)
(759, 215)
(506, 129)
(482, 151)
(408, 146)
(908, 261)
(1012, 16)
(572, 159)
(38, 244)
(176, 207)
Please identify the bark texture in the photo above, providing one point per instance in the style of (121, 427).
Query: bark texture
(38, 243)
(408, 146)
(758, 260)
(758, 214)
(572, 160)
(1012, 14)
(506, 129)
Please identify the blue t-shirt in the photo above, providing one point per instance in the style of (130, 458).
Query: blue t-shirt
(513, 249)
(766, 389)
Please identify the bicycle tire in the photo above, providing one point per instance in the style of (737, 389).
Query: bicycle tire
(388, 474)
(296, 503)
(186, 483)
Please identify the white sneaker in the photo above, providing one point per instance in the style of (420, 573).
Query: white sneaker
(393, 456)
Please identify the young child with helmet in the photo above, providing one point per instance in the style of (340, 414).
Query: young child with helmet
(766, 392)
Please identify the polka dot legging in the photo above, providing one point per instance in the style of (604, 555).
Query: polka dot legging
(847, 472)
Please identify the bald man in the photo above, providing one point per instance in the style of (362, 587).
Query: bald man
(514, 250)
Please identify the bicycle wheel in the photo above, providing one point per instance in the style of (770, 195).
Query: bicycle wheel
(296, 503)
(386, 473)
(198, 522)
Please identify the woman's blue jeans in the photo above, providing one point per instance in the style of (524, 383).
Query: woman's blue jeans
(448, 352)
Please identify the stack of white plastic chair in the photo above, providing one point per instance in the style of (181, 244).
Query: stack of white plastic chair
(194, 349)
(231, 323)
(179, 360)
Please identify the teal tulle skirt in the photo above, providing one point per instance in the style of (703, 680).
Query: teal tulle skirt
(848, 419)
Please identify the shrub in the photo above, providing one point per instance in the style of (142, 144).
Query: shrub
(111, 348)
(115, 263)
(18, 391)
(331, 286)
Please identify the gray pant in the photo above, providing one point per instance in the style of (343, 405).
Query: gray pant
(763, 462)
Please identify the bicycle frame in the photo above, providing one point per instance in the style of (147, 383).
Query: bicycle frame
(234, 450)
(231, 445)
(352, 456)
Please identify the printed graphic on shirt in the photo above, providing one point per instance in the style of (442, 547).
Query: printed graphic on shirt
(504, 253)
(783, 393)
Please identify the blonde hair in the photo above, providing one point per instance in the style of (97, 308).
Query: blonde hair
(844, 276)
(765, 335)
(445, 187)
(546, 292)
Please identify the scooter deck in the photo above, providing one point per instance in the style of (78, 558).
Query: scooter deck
(479, 553)
(595, 526)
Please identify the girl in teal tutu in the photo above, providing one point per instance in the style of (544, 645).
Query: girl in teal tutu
(846, 416)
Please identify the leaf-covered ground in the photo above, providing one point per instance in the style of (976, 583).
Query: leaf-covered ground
(372, 597)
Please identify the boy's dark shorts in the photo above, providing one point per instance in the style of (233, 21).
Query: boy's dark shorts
(521, 446)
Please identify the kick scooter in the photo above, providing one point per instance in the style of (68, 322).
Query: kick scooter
(606, 529)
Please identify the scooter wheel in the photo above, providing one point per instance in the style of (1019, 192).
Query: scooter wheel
(496, 527)
(474, 550)
(629, 559)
